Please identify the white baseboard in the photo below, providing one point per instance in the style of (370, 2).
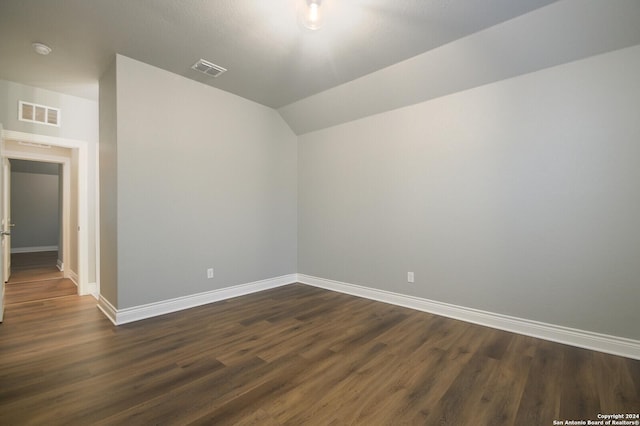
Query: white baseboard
(136, 313)
(107, 309)
(584, 339)
(33, 249)
(60, 265)
(73, 276)
(92, 289)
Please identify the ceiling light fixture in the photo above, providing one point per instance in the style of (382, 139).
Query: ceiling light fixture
(41, 48)
(311, 14)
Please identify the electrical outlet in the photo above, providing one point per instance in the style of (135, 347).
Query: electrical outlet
(210, 273)
(410, 277)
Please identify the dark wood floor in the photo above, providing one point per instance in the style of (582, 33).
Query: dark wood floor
(20, 261)
(295, 355)
(35, 276)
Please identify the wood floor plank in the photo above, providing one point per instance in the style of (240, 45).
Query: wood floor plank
(459, 404)
(35, 276)
(38, 290)
(540, 401)
(503, 391)
(579, 398)
(395, 399)
(318, 379)
(31, 260)
(323, 407)
(614, 382)
(294, 355)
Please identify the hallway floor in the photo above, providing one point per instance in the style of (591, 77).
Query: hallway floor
(35, 276)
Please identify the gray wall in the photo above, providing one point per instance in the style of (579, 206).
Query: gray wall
(520, 197)
(108, 187)
(35, 209)
(203, 179)
(79, 121)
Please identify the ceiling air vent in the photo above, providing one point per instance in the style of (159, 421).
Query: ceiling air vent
(208, 68)
(35, 113)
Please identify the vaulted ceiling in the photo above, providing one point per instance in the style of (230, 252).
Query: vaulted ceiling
(390, 52)
(270, 58)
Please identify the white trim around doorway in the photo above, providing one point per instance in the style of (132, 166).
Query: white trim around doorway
(84, 287)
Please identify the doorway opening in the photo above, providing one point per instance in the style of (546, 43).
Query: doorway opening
(35, 269)
(72, 158)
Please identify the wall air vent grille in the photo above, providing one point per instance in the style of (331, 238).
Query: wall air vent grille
(208, 68)
(41, 114)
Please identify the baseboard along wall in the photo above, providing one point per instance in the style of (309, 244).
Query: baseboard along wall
(629, 348)
(73, 276)
(33, 249)
(584, 339)
(136, 313)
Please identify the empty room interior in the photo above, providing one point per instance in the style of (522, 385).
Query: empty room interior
(320, 212)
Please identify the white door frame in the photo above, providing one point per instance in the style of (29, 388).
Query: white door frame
(6, 217)
(83, 207)
(66, 197)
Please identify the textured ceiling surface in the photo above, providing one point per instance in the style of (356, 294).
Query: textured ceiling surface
(271, 59)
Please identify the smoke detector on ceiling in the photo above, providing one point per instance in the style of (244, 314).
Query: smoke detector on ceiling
(208, 68)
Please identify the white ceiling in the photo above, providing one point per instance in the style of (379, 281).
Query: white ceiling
(270, 58)
(565, 31)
